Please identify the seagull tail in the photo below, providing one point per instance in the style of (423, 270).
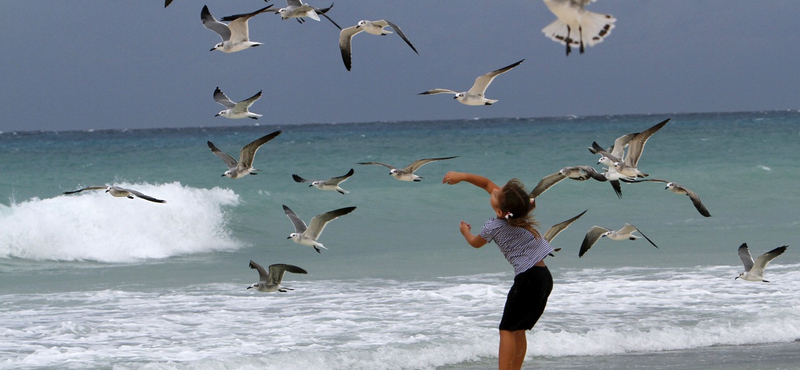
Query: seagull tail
(595, 27)
(559, 32)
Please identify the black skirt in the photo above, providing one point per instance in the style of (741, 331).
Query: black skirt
(526, 299)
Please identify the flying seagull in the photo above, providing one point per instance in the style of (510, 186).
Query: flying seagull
(298, 10)
(119, 192)
(407, 174)
(575, 26)
(308, 235)
(475, 95)
(329, 184)
(245, 164)
(628, 166)
(680, 189)
(271, 281)
(371, 27)
(754, 271)
(596, 232)
(235, 35)
(235, 110)
(579, 173)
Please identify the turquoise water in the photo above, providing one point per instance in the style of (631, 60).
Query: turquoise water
(92, 281)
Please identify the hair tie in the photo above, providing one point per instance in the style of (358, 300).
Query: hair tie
(509, 215)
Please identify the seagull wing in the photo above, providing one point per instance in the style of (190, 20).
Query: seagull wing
(345, 44)
(243, 105)
(438, 91)
(277, 270)
(592, 236)
(262, 273)
(145, 197)
(322, 13)
(763, 260)
(696, 201)
(482, 82)
(556, 229)
(319, 221)
(744, 255)
(340, 179)
(545, 183)
(211, 23)
(597, 149)
(229, 161)
(240, 31)
(299, 225)
(87, 188)
(636, 144)
(627, 228)
(299, 179)
(384, 23)
(379, 164)
(247, 153)
(618, 149)
(421, 162)
(223, 99)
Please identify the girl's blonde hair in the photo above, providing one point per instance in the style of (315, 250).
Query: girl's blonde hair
(517, 205)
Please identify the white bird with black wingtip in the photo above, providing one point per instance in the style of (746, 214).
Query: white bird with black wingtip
(270, 281)
(236, 110)
(236, 34)
(476, 94)
(754, 270)
(243, 167)
(308, 235)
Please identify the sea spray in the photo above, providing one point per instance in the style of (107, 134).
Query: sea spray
(95, 226)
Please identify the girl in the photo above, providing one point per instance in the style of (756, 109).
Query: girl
(513, 231)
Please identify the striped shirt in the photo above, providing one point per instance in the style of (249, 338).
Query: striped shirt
(520, 247)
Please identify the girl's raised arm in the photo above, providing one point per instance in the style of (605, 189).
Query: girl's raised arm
(453, 177)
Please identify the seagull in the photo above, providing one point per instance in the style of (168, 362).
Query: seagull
(371, 27)
(596, 232)
(235, 110)
(579, 173)
(627, 166)
(309, 235)
(407, 174)
(475, 95)
(245, 165)
(329, 184)
(235, 35)
(271, 281)
(556, 229)
(298, 10)
(754, 271)
(119, 192)
(575, 26)
(680, 189)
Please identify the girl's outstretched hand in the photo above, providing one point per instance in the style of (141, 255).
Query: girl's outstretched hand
(452, 177)
(465, 228)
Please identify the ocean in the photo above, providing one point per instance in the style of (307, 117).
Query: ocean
(89, 281)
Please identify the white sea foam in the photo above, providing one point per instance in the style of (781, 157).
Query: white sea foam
(392, 325)
(97, 227)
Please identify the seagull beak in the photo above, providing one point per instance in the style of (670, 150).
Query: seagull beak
(455, 97)
(212, 49)
(249, 287)
(289, 237)
(223, 175)
(216, 115)
(310, 186)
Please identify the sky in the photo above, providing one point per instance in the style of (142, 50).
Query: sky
(130, 64)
